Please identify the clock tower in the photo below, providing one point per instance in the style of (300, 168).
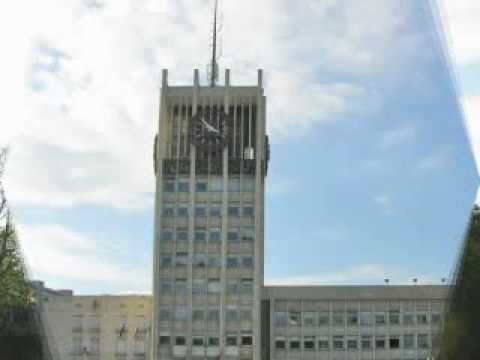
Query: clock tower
(211, 155)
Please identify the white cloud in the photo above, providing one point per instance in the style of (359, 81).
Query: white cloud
(361, 274)
(471, 106)
(398, 136)
(51, 249)
(463, 25)
(93, 68)
(384, 202)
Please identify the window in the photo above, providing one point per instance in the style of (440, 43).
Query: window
(323, 343)
(247, 261)
(213, 286)
(200, 235)
(180, 340)
(166, 235)
(409, 341)
(166, 286)
(200, 260)
(248, 234)
(408, 319)
(309, 343)
(309, 318)
(338, 318)
(366, 341)
(213, 341)
(352, 343)
(182, 211)
(199, 286)
(246, 315)
(394, 342)
(168, 211)
(338, 342)
(248, 184)
(232, 262)
(232, 235)
(422, 341)
(182, 236)
(233, 211)
(181, 286)
(280, 343)
(246, 286)
(352, 317)
(436, 318)
(181, 259)
(215, 184)
(198, 315)
(214, 261)
(165, 261)
(294, 318)
(394, 317)
(232, 287)
(215, 235)
(323, 318)
(164, 340)
(231, 315)
(233, 185)
(183, 187)
(366, 318)
(181, 313)
(380, 319)
(248, 210)
(213, 315)
(165, 315)
(197, 341)
(215, 210)
(77, 345)
(294, 344)
(380, 342)
(422, 319)
(168, 186)
(231, 340)
(200, 210)
(201, 186)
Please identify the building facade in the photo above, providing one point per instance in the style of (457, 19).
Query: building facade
(209, 301)
(297, 322)
(95, 327)
(210, 158)
(352, 322)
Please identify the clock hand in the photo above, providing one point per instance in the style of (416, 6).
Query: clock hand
(209, 127)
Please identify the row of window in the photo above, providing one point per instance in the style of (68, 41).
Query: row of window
(94, 321)
(366, 342)
(202, 260)
(353, 317)
(206, 286)
(182, 314)
(201, 235)
(210, 341)
(214, 184)
(203, 210)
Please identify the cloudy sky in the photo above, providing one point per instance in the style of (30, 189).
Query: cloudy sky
(371, 175)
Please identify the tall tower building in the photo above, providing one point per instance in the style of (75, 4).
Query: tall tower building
(211, 156)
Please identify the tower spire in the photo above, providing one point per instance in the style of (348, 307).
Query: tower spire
(213, 64)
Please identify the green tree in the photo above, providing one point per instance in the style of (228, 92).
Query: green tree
(462, 328)
(14, 288)
(21, 336)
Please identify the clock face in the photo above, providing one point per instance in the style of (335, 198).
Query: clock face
(209, 130)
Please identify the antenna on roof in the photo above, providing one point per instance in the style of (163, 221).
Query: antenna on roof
(213, 64)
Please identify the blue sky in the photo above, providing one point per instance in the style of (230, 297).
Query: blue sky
(372, 174)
